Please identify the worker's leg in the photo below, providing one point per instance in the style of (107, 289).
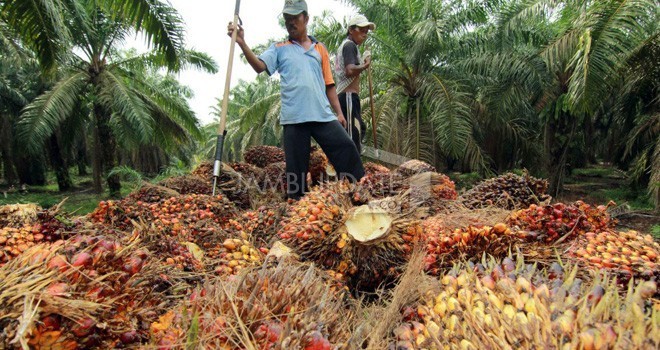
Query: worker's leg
(296, 142)
(339, 148)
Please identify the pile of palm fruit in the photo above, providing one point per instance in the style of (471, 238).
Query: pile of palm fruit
(398, 260)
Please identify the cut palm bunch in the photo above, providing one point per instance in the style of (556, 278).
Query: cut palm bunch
(414, 167)
(287, 306)
(29, 225)
(508, 191)
(430, 189)
(373, 168)
(318, 166)
(184, 216)
(514, 305)
(626, 254)
(91, 291)
(262, 156)
(230, 182)
(367, 244)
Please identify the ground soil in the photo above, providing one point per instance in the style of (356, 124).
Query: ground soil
(585, 188)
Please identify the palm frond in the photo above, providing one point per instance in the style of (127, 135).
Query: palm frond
(116, 95)
(45, 114)
(158, 20)
(41, 26)
(612, 29)
(451, 115)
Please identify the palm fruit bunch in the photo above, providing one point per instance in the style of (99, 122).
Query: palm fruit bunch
(508, 191)
(251, 173)
(262, 156)
(629, 254)
(232, 256)
(284, 307)
(373, 168)
(445, 246)
(180, 255)
(16, 215)
(187, 185)
(318, 163)
(550, 222)
(414, 167)
(513, 305)
(263, 223)
(230, 182)
(183, 216)
(380, 185)
(151, 193)
(369, 244)
(275, 178)
(66, 286)
(14, 241)
(433, 190)
(40, 226)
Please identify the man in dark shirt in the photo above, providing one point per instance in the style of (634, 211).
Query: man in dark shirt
(348, 66)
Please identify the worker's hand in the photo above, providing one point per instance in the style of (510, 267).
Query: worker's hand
(342, 120)
(240, 37)
(367, 62)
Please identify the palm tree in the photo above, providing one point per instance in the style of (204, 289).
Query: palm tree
(561, 61)
(19, 83)
(123, 107)
(423, 96)
(252, 118)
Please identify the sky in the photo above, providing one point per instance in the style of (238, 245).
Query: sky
(206, 30)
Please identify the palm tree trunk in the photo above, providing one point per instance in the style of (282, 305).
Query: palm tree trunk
(58, 163)
(6, 140)
(417, 135)
(81, 155)
(557, 153)
(97, 162)
(108, 150)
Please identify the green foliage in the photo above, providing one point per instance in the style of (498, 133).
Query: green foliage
(655, 231)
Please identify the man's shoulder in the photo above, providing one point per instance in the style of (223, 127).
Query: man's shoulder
(283, 43)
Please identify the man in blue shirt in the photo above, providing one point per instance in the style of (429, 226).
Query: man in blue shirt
(307, 91)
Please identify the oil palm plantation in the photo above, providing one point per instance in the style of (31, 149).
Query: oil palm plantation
(97, 87)
(252, 119)
(584, 50)
(424, 108)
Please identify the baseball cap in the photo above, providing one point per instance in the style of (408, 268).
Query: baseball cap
(294, 7)
(361, 21)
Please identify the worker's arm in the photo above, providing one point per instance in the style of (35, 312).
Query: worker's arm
(353, 70)
(254, 61)
(331, 92)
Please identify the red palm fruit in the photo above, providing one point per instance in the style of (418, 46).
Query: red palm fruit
(58, 262)
(83, 327)
(82, 259)
(57, 289)
(316, 341)
(133, 265)
(129, 337)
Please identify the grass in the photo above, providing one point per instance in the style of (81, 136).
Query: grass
(655, 231)
(637, 200)
(604, 172)
(81, 200)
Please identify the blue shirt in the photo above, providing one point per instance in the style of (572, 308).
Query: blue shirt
(304, 75)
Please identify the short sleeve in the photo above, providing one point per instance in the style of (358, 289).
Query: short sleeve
(326, 67)
(350, 53)
(269, 57)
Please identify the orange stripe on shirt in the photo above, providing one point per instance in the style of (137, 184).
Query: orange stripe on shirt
(283, 43)
(325, 64)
